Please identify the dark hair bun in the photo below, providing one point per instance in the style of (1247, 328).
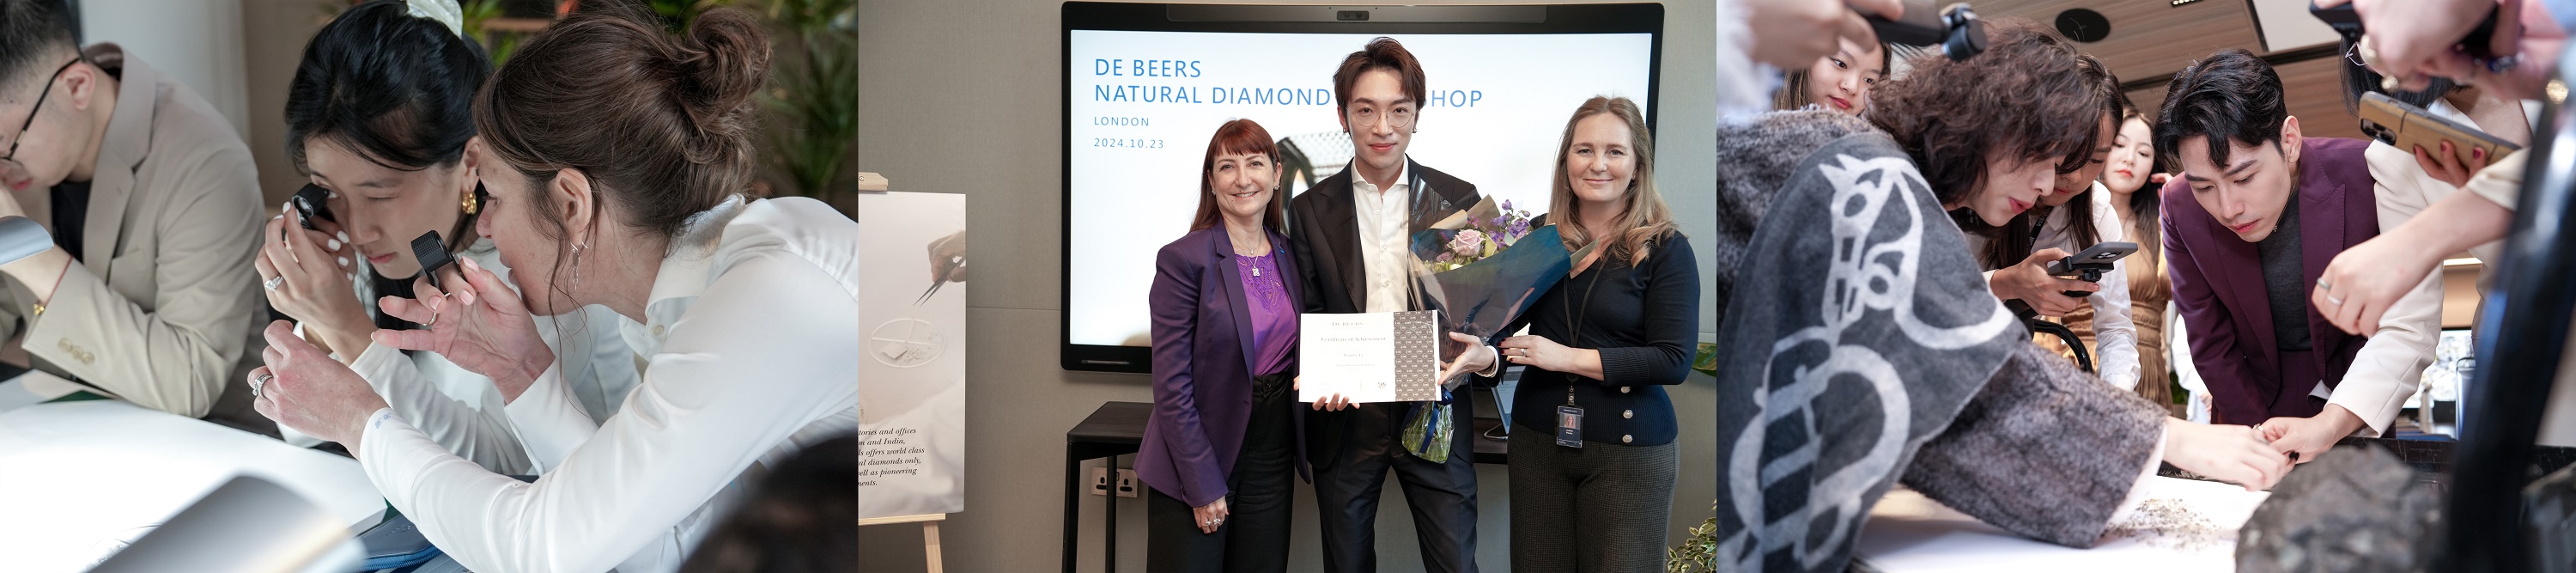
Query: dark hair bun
(660, 123)
(724, 64)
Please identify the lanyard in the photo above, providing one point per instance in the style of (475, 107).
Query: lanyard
(1575, 320)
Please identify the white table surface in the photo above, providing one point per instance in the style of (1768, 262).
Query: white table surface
(1909, 533)
(78, 480)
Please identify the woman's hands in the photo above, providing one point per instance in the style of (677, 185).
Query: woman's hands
(2235, 454)
(2446, 165)
(301, 387)
(1210, 516)
(2361, 282)
(1330, 403)
(2309, 437)
(1539, 352)
(2030, 282)
(307, 274)
(482, 327)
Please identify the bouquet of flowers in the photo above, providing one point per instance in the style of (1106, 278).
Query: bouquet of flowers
(1482, 267)
(1483, 235)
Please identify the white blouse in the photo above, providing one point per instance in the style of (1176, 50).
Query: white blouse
(462, 410)
(748, 356)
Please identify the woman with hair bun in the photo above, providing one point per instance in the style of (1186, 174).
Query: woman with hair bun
(616, 156)
(378, 117)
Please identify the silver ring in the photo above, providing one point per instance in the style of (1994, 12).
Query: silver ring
(2334, 301)
(262, 380)
(2321, 285)
(274, 281)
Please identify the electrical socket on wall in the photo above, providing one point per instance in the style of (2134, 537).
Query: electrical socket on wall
(1100, 481)
(1127, 483)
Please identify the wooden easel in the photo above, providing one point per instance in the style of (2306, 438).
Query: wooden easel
(929, 533)
(873, 182)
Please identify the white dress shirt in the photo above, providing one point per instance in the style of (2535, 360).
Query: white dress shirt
(1386, 254)
(746, 339)
(2115, 336)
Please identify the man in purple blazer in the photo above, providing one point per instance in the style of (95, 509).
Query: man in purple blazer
(2249, 225)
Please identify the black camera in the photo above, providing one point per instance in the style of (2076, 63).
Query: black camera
(2089, 265)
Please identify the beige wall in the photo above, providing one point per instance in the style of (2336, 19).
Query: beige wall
(966, 100)
(273, 36)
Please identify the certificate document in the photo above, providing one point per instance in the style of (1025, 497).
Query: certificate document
(1369, 357)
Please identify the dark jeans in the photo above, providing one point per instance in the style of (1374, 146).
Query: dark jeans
(1254, 536)
(1441, 495)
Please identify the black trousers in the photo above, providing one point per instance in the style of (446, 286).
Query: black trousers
(1442, 495)
(1254, 536)
(1596, 509)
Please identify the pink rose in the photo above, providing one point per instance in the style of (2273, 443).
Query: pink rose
(1468, 243)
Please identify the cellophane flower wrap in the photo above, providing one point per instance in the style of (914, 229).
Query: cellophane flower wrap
(1481, 267)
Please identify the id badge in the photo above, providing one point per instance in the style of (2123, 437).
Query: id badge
(1569, 426)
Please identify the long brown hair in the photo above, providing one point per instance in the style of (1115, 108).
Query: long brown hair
(2017, 237)
(2021, 99)
(1242, 137)
(1644, 220)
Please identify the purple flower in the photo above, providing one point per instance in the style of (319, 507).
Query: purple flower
(1507, 204)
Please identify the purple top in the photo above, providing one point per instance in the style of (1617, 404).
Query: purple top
(1274, 321)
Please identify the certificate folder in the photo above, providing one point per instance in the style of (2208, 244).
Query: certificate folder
(1370, 357)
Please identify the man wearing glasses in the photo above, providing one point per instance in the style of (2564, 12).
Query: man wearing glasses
(1350, 231)
(150, 196)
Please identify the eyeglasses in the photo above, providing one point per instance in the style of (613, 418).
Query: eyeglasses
(15, 138)
(1398, 118)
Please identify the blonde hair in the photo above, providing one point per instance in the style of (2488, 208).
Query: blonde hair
(1644, 219)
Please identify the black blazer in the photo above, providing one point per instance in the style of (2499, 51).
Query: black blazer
(1323, 234)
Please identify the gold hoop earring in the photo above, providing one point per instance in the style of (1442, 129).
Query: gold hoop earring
(470, 203)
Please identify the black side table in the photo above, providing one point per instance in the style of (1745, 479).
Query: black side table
(1111, 431)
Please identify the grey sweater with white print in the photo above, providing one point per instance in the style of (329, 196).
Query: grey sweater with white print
(1860, 347)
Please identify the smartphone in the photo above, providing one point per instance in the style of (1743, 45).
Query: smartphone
(2408, 127)
(312, 202)
(2100, 254)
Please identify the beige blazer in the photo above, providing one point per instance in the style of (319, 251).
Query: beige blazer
(161, 309)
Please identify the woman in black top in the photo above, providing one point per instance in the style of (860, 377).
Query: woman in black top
(1603, 343)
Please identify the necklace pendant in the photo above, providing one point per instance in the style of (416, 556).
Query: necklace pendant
(1256, 271)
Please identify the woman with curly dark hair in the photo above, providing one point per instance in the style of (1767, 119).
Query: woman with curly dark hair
(1859, 343)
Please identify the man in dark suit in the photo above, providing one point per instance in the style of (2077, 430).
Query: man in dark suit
(2249, 226)
(1350, 234)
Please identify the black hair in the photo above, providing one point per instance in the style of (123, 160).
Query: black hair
(34, 35)
(395, 88)
(2230, 96)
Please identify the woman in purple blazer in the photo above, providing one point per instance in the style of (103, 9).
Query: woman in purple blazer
(1225, 431)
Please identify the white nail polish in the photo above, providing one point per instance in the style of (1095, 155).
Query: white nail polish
(333, 244)
(344, 236)
(344, 261)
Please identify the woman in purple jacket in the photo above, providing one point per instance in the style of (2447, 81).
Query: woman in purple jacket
(1225, 432)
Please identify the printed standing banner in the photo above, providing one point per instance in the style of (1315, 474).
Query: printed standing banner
(912, 383)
